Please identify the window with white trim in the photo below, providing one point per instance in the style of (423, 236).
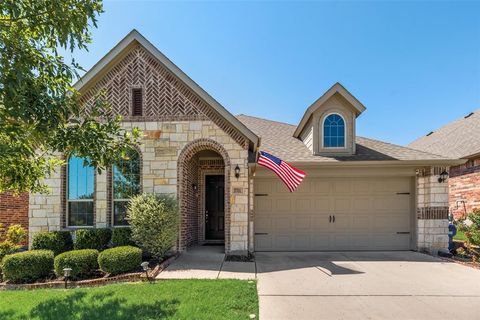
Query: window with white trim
(126, 184)
(80, 189)
(334, 131)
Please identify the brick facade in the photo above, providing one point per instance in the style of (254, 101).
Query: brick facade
(432, 210)
(13, 210)
(464, 185)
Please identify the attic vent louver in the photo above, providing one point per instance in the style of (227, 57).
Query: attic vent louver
(431, 132)
(468, 115)
(137, 102)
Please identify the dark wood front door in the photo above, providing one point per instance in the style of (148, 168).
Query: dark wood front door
(214, 207)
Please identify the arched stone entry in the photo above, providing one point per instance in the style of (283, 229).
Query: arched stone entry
(198, 159)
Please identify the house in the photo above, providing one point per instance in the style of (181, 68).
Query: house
(359, 193)
(458, 139)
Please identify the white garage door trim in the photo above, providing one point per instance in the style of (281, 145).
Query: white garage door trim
(331, 214)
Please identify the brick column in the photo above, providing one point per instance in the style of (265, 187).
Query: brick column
(432, 210)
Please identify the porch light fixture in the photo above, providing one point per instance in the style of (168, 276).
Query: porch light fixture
(145, 268)
(237, 171)
(67, 272)
(443, 176)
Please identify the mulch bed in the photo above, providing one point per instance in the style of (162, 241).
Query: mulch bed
(59, 283)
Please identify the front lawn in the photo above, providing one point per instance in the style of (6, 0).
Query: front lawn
(168, 299)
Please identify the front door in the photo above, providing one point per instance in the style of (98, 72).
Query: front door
(214, 207)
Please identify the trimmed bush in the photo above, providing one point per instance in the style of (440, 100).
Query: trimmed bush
(57, 241)
(28, 266)
(120, 259)
(83, 262)
(154, 223)
(122, 237)
(92, 239)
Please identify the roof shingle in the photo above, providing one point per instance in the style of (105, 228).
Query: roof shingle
(458, 139)
(277, 138)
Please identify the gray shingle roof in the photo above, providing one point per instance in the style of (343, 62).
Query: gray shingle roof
(277, 139)
(458, 139)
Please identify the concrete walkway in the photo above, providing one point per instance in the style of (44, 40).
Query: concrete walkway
(207, 262)
(344, 285)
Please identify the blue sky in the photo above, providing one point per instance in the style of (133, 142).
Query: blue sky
(414, 65)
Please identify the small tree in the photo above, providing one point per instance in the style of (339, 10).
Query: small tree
(154, 223)
(14, 236)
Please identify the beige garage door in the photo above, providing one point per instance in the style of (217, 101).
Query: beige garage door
(334, 214)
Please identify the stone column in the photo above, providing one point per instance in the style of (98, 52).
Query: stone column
(101, 204)
(432, 211)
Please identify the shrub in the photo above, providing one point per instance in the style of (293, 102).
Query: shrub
(120, 259)
(28, 266)
(92, 239)
(154, 221)
(57, 241)
(122, 237)
(14, 236)
(7, 247)
(472, 232)
(82, 262)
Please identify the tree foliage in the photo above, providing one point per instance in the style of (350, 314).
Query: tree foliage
(40, 113)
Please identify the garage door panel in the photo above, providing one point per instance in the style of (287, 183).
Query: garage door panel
(369, 215)
(303, 223)
(322, 204)
(322, 187)
(263, 204)
(342, 204)
(303, 204)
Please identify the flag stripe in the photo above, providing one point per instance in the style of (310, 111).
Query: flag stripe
(291, 176)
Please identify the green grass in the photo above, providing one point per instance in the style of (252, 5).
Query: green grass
(169, 299)
(460, 236)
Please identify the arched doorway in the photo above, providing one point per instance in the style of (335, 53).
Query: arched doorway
(203, 194)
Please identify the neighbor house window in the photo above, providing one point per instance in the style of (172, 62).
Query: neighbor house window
(80, 190)
(334, 132)
(126, 183)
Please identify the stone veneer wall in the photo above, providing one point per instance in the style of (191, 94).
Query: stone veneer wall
(464, 185)
(432, 211)
(13, 210)
(162, 145)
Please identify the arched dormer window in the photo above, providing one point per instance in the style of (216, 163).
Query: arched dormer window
(126, 184)
(334, 131)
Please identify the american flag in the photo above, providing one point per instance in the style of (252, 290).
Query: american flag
(291, 176)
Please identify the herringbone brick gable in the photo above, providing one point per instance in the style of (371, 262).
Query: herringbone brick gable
(166, 98)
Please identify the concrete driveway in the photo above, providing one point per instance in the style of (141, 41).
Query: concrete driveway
(365, 285)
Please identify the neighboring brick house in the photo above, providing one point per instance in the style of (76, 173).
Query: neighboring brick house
(359, 193)
(458, 139)
(13, 210)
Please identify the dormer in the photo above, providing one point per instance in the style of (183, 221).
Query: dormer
(328, 126)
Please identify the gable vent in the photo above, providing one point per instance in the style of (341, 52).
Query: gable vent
(137, 102)
(469, 115)
(430, 133)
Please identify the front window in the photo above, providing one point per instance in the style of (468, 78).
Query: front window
(126, 184)
(334, 132)
(80, 192)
